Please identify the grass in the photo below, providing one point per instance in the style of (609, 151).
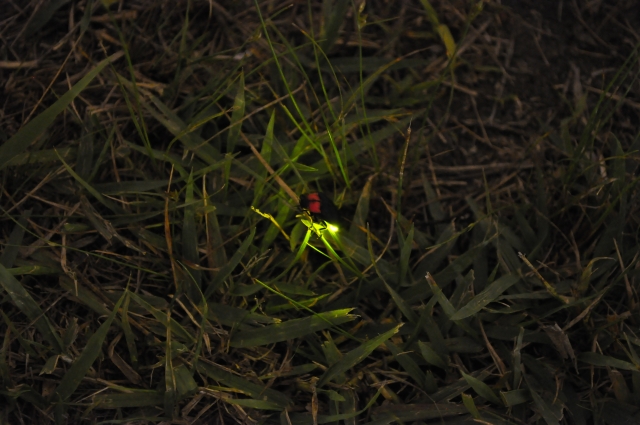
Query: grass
(156, 267)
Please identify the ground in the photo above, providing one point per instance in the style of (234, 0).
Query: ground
(156, 265)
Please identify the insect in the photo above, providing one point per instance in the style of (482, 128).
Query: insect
(319, 206)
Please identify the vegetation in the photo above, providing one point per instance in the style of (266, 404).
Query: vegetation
(156, 267)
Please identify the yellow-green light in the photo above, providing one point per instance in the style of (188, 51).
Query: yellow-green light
(332, 228)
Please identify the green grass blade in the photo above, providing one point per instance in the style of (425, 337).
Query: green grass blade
(253, 404)
(545, 409)
(235, 126)
(181, 130)
(216, 253)
(598, 359)
(133, 398)
(444, 277)
(28, 134)
(190, 237)
(27, 393)
(284, 212)
(265, 152)
(431, 356)
(430, 12)
(482, 389)
(104, 201)
(42, 17)
(515, 397)
(445, 303)
(30, 308)
(615, 412)
(128, 333)
(34, 270)
(170, 391)
(407, 363)
(363, 88)
(243, 385)
(457, 387)
(84, 164)
(490, 294)
(356, 356)
(293, 371)
(24, 343)
(237, 317)
(5, 373)
(360, 216)
(231, 264)
(410, 413)
(10, 253)
(163, 318)
(291, 329)
(397, 299)
(84, 296)
(405, 253)
(90, 353)
(43, 157)
(468, 402)
(335, 13)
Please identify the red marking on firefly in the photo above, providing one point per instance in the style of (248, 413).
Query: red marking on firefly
(315, 206)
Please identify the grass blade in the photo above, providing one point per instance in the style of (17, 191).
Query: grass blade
(407, 363)
(134, 398)
(170, 391)
(163, 318)
(482, 389)
(490, 294)
(409, 413)
(28, 134)
(43, 16)
(291, 329)
(236, 116)
(356, 356)
(334, 17)
(30, 308)
(431, 356)
(231, 264)
(10, 253)
(190, 237)
(598, 359)
(244, 386)
(92, 350)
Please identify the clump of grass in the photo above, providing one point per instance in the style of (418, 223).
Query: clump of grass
(155, 266)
